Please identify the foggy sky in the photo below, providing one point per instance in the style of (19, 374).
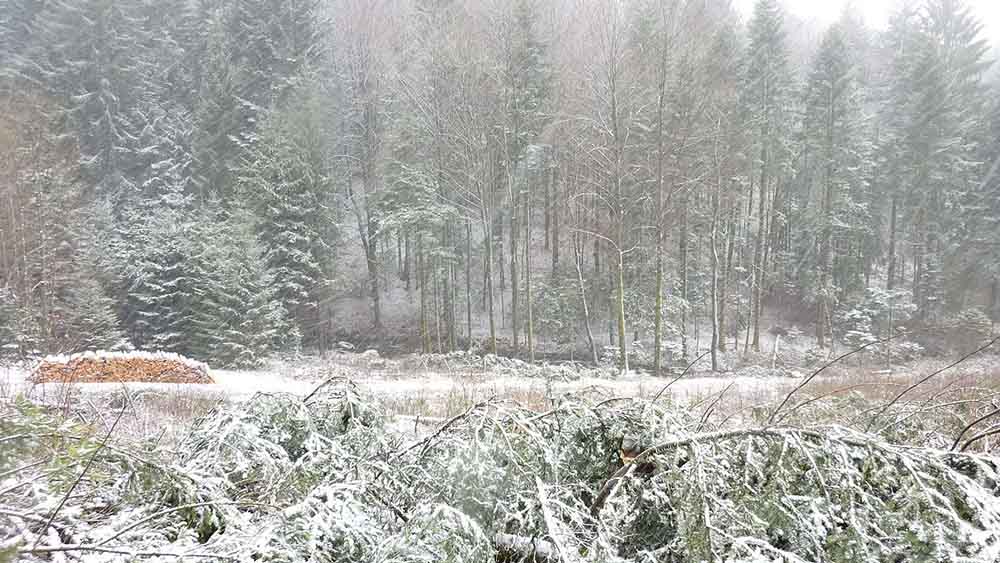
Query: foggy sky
(876, 13)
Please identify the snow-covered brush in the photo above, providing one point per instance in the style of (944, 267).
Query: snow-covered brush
(803, 495)
(321, 479)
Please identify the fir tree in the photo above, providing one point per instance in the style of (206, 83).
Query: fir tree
(240, 320)
(936, 110)
(764, 94)
(836, 154)
(89, 54)
(286, 187)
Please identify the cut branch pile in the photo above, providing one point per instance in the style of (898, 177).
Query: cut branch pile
(282, 478)
(115, 367)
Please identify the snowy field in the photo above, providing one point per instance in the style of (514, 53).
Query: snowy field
(418, 398)
(420, 392)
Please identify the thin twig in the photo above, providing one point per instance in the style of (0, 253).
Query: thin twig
(17, 470)
(121, 551)
(896, 399)
(444, 427)
(176, 509)
(985, 434)
(970, 425)
(770, 419)
(674, 380)
(711, 407)
(324, 384)
(79, 477)
(837, 391)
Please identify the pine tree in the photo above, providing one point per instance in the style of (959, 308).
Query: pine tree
(764, 95)
(283, 182)
(256, 52)
(89, 54)
(89, 318)
(239, 320)
(162, 278)
(936, 112)
(832, 135)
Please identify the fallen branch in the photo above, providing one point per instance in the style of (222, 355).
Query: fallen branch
(443, 427)
(121, 551)
(984, 434)
(176, 509)
(79, 477)
(611, 483)
(676, 379)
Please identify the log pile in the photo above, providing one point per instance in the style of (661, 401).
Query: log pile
(116, 367)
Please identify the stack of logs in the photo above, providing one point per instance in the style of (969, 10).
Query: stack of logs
(115, 367)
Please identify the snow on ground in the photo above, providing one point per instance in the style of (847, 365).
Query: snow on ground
(425, 393)
(425, 396)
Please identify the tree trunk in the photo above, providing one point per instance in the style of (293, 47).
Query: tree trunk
(715, 279)
(762, 233)
(683, 273)
(468, 284)
(726, 276)
(527, 274)
(554, 216)
(425, 335)
(514, 285)
(622, 347)
(488, 265)
(890, 280)
(578, 260)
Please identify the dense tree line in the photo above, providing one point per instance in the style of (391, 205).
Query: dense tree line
(226, 180)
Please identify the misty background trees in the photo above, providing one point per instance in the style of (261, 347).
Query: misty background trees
(656, 176)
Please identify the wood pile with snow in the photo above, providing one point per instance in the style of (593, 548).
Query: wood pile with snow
(114, 367)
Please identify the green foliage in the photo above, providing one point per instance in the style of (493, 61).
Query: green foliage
(198, 287)
(284, 183)
(280, 478)
(556, 308)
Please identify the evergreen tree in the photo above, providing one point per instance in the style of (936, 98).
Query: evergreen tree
(239, 320)
(199, 287)
(283, 181)
(89, 54)
(836, 155)
(8, 321)
(162, 278)
(936, 112)
(764, 94)
(256, 52)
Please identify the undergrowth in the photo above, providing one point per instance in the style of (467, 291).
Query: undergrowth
(323, 479)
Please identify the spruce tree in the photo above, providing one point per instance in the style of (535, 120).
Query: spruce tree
(239, 320)
(936, 110)
(833, 130)
(255, 54)
(285, 185)
(764, 95)
(89, 55)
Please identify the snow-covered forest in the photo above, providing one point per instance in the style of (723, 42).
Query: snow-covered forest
(655, 177)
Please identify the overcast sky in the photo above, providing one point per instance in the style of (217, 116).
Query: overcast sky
(876, 12)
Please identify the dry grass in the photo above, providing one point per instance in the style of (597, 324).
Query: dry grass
(954, 397)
